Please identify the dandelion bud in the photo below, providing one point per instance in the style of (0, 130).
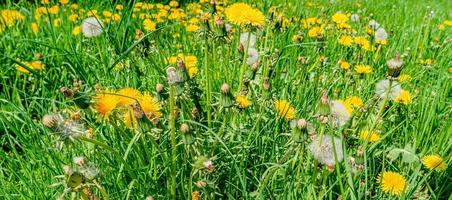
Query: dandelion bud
(255, 66)
(225, 88)
(209, 166)
(194, 113)
(212, 2)
(266, 84)
(395, 66)
(79, 160)
(330, 168)
(67, 170)
(200, 184)
(324, 107)
(159, 88)
(184, 128)
(302, 60)
(323, 119)
(68, 93)
(360, 152)
(138, 34)
(302, 124)
(240, 48)
(180, 63)
(172, 76)
(219, 21)
(49, 120)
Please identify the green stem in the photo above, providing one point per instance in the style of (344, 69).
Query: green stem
(243, 67)
(206, 69)
(173, 143)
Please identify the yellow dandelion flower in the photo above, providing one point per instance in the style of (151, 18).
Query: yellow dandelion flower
(285, 109)
(363, 69)
(116, 17)
(105, 103)
(119, 7)
(344, 64)
(73, 17)
(191, 28)
(354, 101)
(370, 137)
(242, 101)
(346, 40)
(315, 31)
(434, 162)
(392, 183)
(35, 65)
(76, 30)
(129, 119)
(242, 14)
(64, 2)
(149, 25)
(404, 78)
(404, 97)
(54, 10)
(128, 96)
(35, 28)
(150, 107)
(339, 18)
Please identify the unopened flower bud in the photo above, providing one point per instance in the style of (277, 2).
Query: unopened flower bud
(395, 66)
(255, 66)
(67, 170)
(219, 21)
(159, 88)
(68, 93)
(49, 120)
(302, 124)
(180, 63)
(266, 84)
(200, 184)
(225, 88)
(172, 76)
(79, 160)
(209, 166)
(184, 128)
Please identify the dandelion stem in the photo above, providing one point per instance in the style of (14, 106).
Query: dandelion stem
(206, 68)
(173, 143)
(243, 67)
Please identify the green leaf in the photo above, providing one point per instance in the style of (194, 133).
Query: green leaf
(408, 154)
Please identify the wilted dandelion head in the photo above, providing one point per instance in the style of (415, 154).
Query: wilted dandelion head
(340, 113)
(354, 17)
(322, 149)
(384, 87)
(381, 34)
(392, 183)
(374, 24)
(285, 109)
(242, 14)
(434, 162)
(244, 39)
(92, 27)
(172, 76)
(253, 56)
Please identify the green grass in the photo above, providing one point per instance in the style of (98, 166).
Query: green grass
(254, 154)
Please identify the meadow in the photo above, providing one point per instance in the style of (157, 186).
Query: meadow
(225, 99)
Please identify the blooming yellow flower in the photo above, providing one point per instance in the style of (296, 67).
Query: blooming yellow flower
(54, 10)
(392, 183)
(119, 7)
(344, 64)
(242, 101)
(128, 96)
(150, 107)
(370, 137)
(149, 25)
(404, 78)
(105, 103)
(434, 162)
(191, 28)
(64, 2)
(35, 65)
(242, 14)
(285, 109)
(315, 31)
(189, 61)
(354, 101)
(116, 17)
(34, 27)
(404, 97)
(73, 17)
(346, 40)
(363, 69)
(363, 42)
(76, 30)
(173, 4)
(339, 18)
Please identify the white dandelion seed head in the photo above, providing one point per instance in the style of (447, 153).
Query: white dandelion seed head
(383, 87)
(339, 113)
(253, 56)
(354, 17)
(381, 34)
(244, 39)
(374, 24)
(92, 27)
(322, 150)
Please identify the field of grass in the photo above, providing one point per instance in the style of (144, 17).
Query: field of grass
(225, 100)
